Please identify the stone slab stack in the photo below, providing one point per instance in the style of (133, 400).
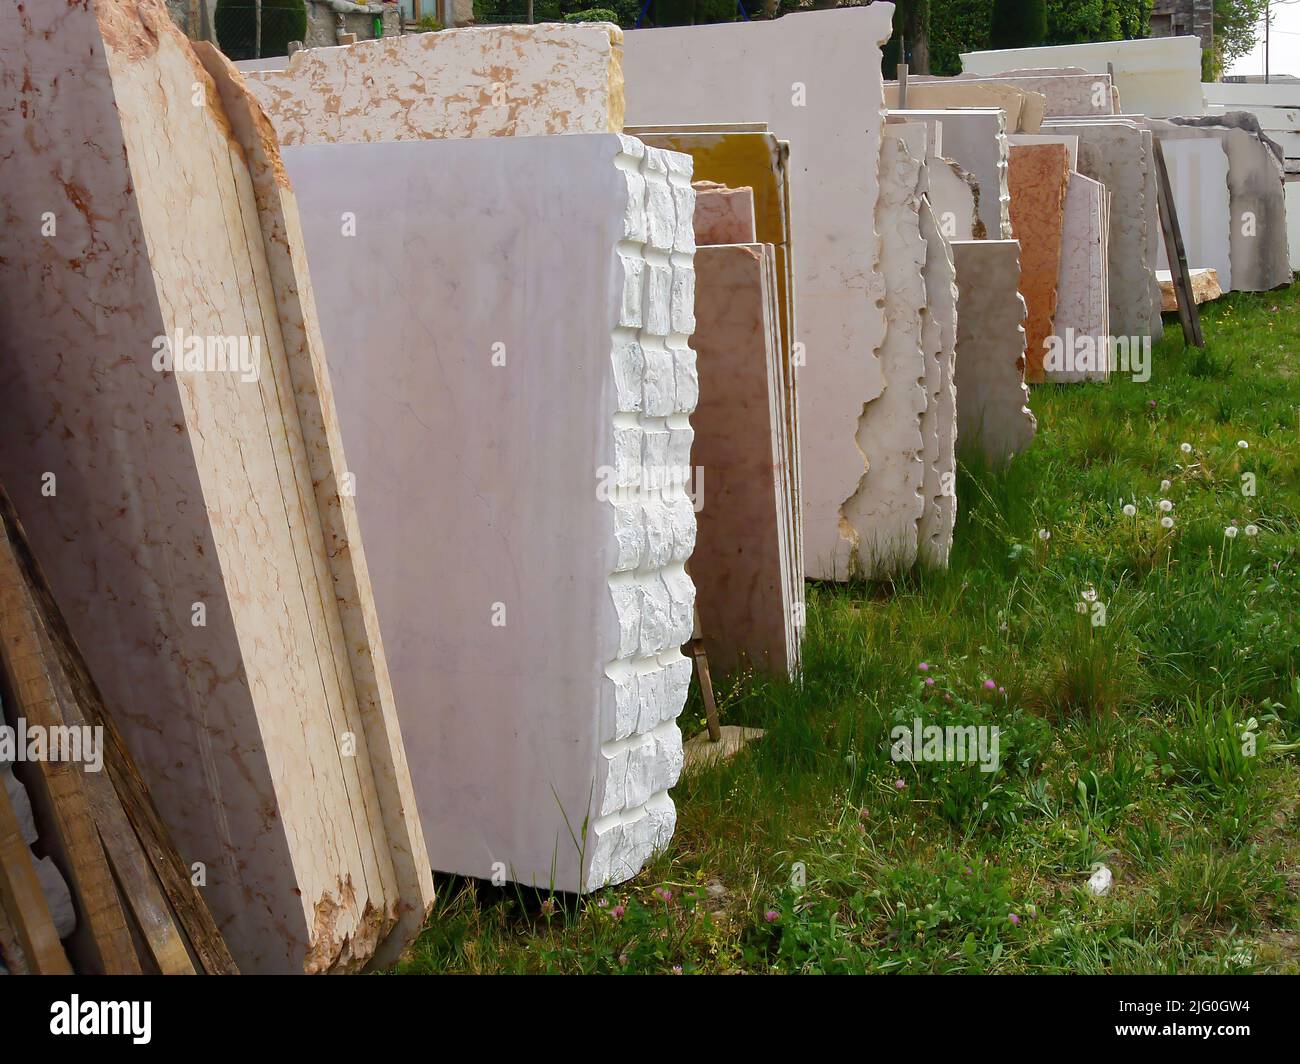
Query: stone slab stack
(517, 396)
(975, 138)
(1024, 108)
(1079, 348)
(175, 457)
(814, 78)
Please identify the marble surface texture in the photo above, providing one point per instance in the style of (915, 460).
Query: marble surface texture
(723, 215)
(194, 541)
(1024, 107)
(975, 138)
(814, 78)
(538, 676)
(1082, 322)
(993, 416)
(481, 81)
(1038, 176)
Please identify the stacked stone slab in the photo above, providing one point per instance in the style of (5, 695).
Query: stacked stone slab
(489, 81)
(1024, 107)
(1038, 175)
(993, 416)
(975, 138)
(889, 502)
(1114, 152)
(750, 156)
(1064, 94)
(1198, 181)
(1257, 246)
(524, 369)
(1079, 349)
(814, 78)
(192, 516)
(723, 215)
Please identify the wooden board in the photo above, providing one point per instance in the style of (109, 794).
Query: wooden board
(23, 901)
(1188, 315)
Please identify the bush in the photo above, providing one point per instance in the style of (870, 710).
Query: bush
(235, 23)
(592, 14)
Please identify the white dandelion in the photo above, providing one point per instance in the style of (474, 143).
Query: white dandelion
(1242, 444)
(1044, 534)
(1166, 522)
(1166, 505)
(1130, 510)
(1186, 448)
(1230, 531)
(1165, 486)
(1252, 530)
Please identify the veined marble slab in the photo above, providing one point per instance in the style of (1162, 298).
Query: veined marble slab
(194, 519)
(515, 399)
(954, 195)
(1038, 176)
(740, 565)
(1080, 348)
(723, 215)
(889, 502)
(993, 416)
(814, 77)
(481, 81)
(975, 138)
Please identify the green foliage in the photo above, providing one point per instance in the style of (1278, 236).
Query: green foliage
(622, 12)
(593, 14)
(957, 26)
(235, 22)
(1236, 31)
(1018, 23)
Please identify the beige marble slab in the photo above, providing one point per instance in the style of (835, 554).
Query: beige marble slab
(187, 516)
(939, 422)
(723, 215)
(1024, 107)
(481, 81)
(1080, 343)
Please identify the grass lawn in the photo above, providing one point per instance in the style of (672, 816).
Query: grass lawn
(1162, 743)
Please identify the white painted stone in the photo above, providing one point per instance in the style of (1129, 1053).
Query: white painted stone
(814, 78)
(1154, 76)
(481, 81)
(1082, 320)
(1198, 179)
(885, 509)
(579, 279)
(993, 416)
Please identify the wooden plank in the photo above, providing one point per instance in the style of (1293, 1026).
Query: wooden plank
(189, 908)
(23, 900)
(11, 954)
(131, 868)
(57, 787)
(1188, 315)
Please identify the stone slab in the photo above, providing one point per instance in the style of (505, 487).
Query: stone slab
(814, 77)
(538, 675)
(1064, 94)
(993, 416)
(1024, 108)
(723, 215)
(739, 566)
(199, 540)
(1038, 176)
(939, 422)
(1198, 179)
(1071, 143)
(1081, 326)
(481, 81)
(975, 138)
(1205, 287)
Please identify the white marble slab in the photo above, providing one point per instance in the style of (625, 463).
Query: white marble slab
(1081, 326)
(1198, 179)
(514, 395)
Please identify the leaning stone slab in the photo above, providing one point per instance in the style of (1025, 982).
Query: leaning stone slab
(993, 416)
(1205, 287)
(975, 138)
(741, 566)
(723, 215)
(1198, 180)
(523, 369)
(482, 81)
(814, 78)
(201, 541)
(954, 195)
(1064, 94)
(1079, 348)
(1024, 108)
(1112, 152)
(1071, 143)
(1038, 177)
(889, 501)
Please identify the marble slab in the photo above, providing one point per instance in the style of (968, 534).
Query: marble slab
(1112, 152)
(814, 77)
(193, 518)
(1080, 342)
(523, 369)
(954, 196)
(753, 157)
(723, 215)
(1205, 287)
(993, 416)
(975, 138)
(1038, 175)
(1071, 143)
(1024, 108)
(889, 502)
(1064, 94)
(1198, 180)
(939, 422)
(1258, 246)
(1154, 76)
(740, 566)
(481, 81)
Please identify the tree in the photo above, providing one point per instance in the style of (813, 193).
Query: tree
(911, 40)
(1236, 31)
(1018, 23)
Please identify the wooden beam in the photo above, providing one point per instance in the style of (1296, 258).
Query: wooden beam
(1188, 314)
(23, 901)
(190, 910)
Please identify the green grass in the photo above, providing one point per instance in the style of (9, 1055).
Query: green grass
(1122, 744)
